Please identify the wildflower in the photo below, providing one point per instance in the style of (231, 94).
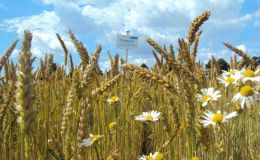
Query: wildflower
(92, 139)
(148, 116)
(155, 156)
(216, 118)
(112, 125)
(257, 86)
(247, 96)
(195, 158)
(110, 157)
(113, 155)
(249, 75)
(208, 94)
(113, 99)
(228, 80)
(231, 72)
(182, 125)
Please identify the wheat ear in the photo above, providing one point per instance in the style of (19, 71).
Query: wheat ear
(65, 50)
(150, 75)
(81, 49)
(107, 86)
(24, 95)
(7, 54)
(195, 26)
(245, 56)
(90, 68)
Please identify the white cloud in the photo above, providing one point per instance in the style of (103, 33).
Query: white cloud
(257, 23)
(177, 15)
(164, 21)
(257, 18)
(105, 65)
(257, 13)
(206, 53)
(138, 61)
(242, 47)
(43, 27)
(15, 53)
(148, 17)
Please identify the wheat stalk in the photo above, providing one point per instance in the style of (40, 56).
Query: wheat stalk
(158, 48)
(67, 112)
(195, 26)
(239, 52)
(71, 65)
(152, 76)
(7, 54)
(195, 47)
(105, 87)
(82, 127)
(65, 50)
(24, 104)
(90, 68)
(82, 50)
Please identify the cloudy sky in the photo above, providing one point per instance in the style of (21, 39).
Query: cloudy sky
(99, 21)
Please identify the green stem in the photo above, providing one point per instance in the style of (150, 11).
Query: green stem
(96, 150)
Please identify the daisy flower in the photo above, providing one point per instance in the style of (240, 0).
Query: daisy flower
(148, 116)
(247, 96)
(92, 139)
(216, 118)
(113, 99)
(228, 80)
(249, 75)
(112, 125)
(155, 156)
(231, 72)
(208, 94)
(257, 86)
(195, 158)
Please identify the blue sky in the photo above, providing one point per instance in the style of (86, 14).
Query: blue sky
(99, 21)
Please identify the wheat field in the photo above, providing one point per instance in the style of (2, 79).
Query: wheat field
(177, 110)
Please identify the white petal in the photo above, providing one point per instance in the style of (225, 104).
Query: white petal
(231, 115)
(243, 103)
(204, 104)
(236, 97)
(204, 91)
(211, 90)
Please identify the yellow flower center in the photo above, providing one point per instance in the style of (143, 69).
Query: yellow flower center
(149, 157)
(232, 71)
(218, 118)
(246, 91)
(206, 97)
(149, 117)
(112, 125)
(229, 80)
(183, 125)
(114, 98)
(195, 158)
(110, 157)
(95, 138)
(249, 73)
(160, 156)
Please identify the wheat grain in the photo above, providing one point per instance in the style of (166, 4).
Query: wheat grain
(83, 52)
(64, 48)
(245, 56)
(195, 26)
(7, 54)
